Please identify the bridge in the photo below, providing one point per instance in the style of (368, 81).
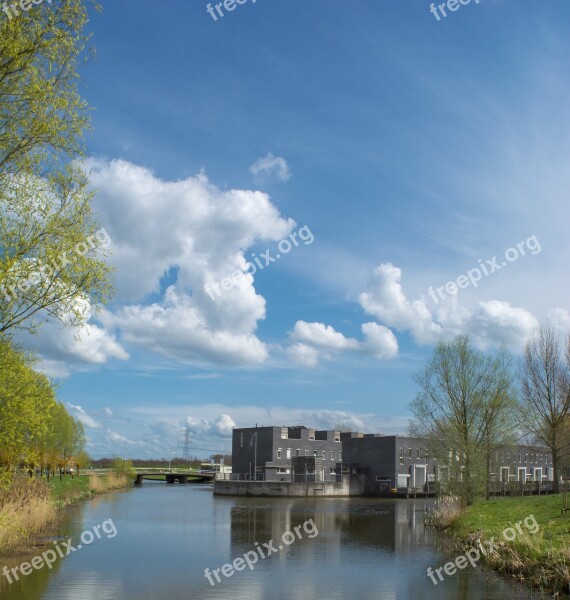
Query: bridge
(174, 476)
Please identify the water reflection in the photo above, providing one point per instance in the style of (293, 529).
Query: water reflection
(168, 536)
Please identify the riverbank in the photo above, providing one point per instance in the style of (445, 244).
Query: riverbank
(538, 556)
(30, 508)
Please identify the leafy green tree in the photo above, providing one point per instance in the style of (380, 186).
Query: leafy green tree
(82, 460)
(51, 255)
(465, 410)
(27, 408)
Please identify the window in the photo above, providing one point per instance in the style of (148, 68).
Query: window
(401, 456)
(298, 451)
(278, 453)
(526, 458)
(337, 437)
(340, 457)
(306, 453)
(284, 433)
(324, 455)
(410, 453)
(288, 452)
(315, 453)
(332, 455)
(418, 451)
(312, 434)
(509, 458)
(520, 457)
(427, 454)
(434, 454)
(241, 439)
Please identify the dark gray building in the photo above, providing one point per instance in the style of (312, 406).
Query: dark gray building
(270, 450)
(405, 462)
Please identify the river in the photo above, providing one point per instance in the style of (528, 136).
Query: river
(156, 541)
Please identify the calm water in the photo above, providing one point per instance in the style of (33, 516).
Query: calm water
(167, 536)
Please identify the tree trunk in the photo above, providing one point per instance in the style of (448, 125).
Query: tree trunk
(555, 477)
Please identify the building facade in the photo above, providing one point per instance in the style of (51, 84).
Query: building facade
(267, 452)
(406, 462)
(382, 462)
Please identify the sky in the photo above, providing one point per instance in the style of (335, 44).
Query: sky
(285, 188)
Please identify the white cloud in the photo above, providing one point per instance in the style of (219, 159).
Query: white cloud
(62, 349)
(198, 234)
(271, 167)
(329, 419)
(489, 323)
(379, 341)
(313, 341)
(322, 336)
(223, 425)
(81, 415)
(385, 300)
(560, 319)
(303, 355)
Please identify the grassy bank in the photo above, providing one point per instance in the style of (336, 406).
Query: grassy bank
(541, 559)
(29, 507)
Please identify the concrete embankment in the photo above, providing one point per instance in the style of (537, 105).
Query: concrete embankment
(348, 487)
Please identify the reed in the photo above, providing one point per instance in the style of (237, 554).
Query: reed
(26, 510)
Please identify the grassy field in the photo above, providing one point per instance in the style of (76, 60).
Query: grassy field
(541, 559)
(68, 490)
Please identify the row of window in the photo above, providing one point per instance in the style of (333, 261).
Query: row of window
(533, 458)
(315, 454)
(418, 454)
(499, 456)
(285, 436)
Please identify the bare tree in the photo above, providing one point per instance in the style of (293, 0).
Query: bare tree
(544, 376)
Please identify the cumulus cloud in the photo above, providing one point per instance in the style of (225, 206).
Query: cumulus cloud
(270, 167)
(385, 300)
(64, 348)
(223, 425)
(489, 323)
(313, 341)
(303, 355)
(193, 234)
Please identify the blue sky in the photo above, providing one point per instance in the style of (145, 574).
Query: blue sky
(410, 149)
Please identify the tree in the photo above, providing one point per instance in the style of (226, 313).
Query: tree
(544, 377)
(27, 408)
(42, 116)
(82, 460)
(50, 250)
(465, 411)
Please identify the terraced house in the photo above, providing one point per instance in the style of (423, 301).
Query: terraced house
(380, 463)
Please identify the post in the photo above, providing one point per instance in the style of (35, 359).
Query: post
(254, 436)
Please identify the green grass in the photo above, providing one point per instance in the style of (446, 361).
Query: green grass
(542, 558)
(69, 490)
